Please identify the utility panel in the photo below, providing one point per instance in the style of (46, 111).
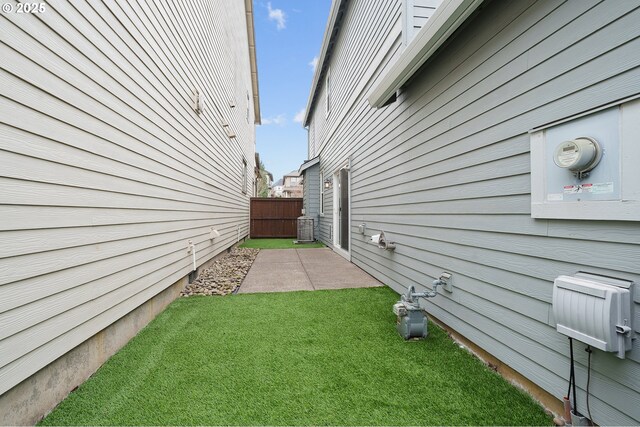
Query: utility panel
(586, 166)
(583, 159)
(595, 310)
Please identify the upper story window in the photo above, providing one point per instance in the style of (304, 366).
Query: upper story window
(327, 91)
(247, 107)
(244, 176)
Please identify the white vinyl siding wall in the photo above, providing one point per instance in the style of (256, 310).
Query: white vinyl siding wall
(107, 171)
(444, 171)
(356, 61)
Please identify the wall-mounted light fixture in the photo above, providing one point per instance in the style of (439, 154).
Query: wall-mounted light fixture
(327, 183)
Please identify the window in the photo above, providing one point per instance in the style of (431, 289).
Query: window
(247, 106)
(321, 194)
(327, 91)
(244, 176)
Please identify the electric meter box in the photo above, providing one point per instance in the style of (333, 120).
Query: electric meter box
(585, 167)
(595, 310)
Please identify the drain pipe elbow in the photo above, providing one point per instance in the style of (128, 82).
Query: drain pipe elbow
(434, 290)
(412, 295)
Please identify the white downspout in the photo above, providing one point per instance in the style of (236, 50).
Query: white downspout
(192, 249)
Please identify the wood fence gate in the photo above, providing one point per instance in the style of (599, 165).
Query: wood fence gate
(274, 217)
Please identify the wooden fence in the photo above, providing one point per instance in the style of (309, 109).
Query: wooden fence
(275, 217)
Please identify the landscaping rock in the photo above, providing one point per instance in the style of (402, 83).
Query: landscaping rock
(224, 276)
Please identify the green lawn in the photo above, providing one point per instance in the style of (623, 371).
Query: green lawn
(299, 358)
(278, 244)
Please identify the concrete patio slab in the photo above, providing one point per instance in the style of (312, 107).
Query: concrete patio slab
(338, 275)
(275, 277)
(271, 256)
(283, 270)
(319, 256)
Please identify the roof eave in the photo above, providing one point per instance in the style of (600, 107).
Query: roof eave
(253, 63)
(308, 163)
(332, 26)
(447, 18)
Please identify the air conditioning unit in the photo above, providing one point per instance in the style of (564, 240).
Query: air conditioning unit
(596, 310)
(305, 229)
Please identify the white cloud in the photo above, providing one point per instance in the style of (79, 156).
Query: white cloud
(279, 120)
(314, 63)
(278, 16)
(299, 117)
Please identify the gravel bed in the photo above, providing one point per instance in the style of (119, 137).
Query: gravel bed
(225, 275)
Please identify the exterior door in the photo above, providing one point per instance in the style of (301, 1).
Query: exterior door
(341, 220)
(344, 209)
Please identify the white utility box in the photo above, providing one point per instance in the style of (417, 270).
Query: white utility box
(595, 310)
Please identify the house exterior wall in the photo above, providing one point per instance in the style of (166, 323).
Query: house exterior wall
(445, 172)
(107, 170)
(311, 196)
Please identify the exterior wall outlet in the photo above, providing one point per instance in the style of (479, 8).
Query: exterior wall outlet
(447, 281)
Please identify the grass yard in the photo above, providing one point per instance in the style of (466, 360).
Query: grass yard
(299, 358)
(278, 244)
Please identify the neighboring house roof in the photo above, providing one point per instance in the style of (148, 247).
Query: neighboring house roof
(248, 4)
(278, 182)
(308, 163)
(336, 16)
(439, 27)
(293, 173)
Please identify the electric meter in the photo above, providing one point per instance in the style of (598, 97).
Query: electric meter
(579, 155)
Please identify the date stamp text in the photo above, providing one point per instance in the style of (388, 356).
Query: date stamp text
(24, 8)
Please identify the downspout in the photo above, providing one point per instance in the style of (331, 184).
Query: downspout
(192, 249)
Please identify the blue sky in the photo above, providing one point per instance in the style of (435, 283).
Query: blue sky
(288, 37)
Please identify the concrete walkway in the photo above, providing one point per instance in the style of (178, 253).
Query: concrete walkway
(283, 270)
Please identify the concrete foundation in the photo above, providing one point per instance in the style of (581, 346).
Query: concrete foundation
(32, 399)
